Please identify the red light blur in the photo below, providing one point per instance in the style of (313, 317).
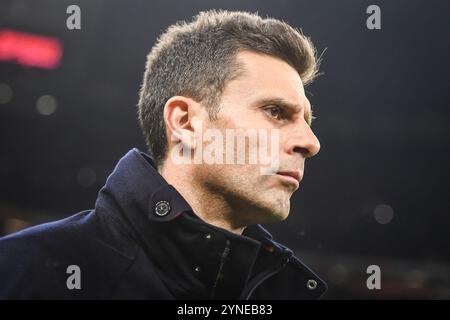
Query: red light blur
(29, 49)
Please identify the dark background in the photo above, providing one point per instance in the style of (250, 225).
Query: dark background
(383, 121)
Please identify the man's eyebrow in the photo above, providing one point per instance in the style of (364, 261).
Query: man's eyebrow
(295, 107)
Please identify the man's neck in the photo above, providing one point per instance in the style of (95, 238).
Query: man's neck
(210, 207)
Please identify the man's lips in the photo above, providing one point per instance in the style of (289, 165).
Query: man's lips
(293, 176)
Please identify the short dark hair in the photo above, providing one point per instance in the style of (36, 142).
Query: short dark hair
(196, 59)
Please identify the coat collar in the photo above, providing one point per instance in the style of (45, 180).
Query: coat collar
(193, 258)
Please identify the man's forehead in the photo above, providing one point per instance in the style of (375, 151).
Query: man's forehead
(255, 63)
(264, 75)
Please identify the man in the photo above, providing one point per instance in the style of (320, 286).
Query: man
(184, 223)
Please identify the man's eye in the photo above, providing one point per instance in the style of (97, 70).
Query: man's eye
(274, 112)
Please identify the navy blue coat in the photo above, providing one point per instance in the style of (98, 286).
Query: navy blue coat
(143, 241)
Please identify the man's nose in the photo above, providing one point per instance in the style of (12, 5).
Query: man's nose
(302, 140)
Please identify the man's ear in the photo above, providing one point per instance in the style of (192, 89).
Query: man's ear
(179, 113)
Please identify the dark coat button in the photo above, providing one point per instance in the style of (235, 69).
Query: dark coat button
(162, 208)
(311, 284)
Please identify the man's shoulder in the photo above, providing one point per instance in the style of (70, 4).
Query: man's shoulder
(50, 237)
(36, 262)
(33, 240)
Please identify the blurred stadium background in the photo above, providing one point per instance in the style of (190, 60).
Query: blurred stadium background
(377, 193)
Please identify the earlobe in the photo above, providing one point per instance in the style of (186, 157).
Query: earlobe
(184, 136)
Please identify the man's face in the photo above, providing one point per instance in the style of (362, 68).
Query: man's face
(268, 96)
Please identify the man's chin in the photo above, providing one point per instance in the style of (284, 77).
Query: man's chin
(280, 216)
(273, 215)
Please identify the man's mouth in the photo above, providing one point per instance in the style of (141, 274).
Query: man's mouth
(293, 177)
